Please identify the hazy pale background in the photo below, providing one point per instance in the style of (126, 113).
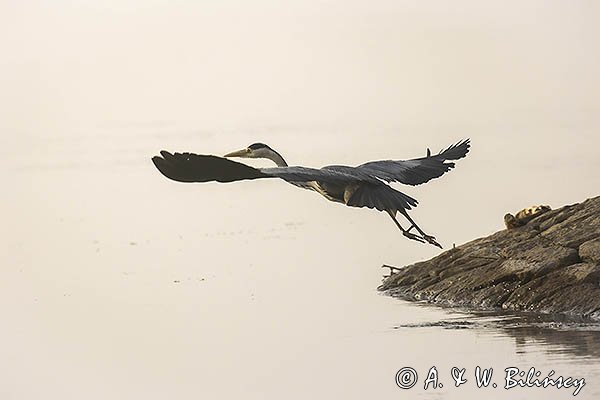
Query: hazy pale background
(116, 283)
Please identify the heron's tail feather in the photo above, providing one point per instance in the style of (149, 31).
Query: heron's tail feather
(381, 197)
(188, 167)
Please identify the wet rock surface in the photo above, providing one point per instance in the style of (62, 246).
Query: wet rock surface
(550, 265)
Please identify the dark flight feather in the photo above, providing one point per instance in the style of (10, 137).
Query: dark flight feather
(381, 197)
(188, 167)
(418, 170)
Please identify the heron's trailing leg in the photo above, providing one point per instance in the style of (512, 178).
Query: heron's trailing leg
(404, 231)
(430, 239)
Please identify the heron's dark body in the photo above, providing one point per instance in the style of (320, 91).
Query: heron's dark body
(331, 191)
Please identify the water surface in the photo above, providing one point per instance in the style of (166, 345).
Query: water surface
(118, 283)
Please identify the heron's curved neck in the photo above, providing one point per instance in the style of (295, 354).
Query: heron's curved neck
(276, 158)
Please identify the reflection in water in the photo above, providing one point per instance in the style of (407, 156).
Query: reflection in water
(577, 339)
(558, 335)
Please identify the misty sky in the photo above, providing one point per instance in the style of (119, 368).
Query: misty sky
(229, 64)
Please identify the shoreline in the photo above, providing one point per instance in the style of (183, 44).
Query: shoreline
(551, 265)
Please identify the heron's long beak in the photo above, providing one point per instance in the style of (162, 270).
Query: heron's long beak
(239, 153)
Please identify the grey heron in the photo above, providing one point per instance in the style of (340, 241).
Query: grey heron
(363, 186)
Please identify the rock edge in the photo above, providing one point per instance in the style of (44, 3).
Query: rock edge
(550, 265)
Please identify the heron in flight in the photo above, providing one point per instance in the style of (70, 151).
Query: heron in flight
(363, 186)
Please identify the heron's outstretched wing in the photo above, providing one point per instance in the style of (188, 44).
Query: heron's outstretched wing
(418, 170)
(381, 197)
(335, 174)
(188, 167)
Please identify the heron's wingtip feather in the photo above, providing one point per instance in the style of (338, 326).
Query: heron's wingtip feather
(188, 167)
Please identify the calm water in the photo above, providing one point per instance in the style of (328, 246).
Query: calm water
(117, 283)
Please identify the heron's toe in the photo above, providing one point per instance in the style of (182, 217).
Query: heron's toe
(413, 236)
(431, 240)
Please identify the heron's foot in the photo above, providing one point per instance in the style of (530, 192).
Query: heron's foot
(431, 240)
(413, 236)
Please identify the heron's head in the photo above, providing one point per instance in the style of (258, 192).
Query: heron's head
(259, 150)
(256, 150)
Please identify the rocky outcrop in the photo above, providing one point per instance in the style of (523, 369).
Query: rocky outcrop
(550, 265)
